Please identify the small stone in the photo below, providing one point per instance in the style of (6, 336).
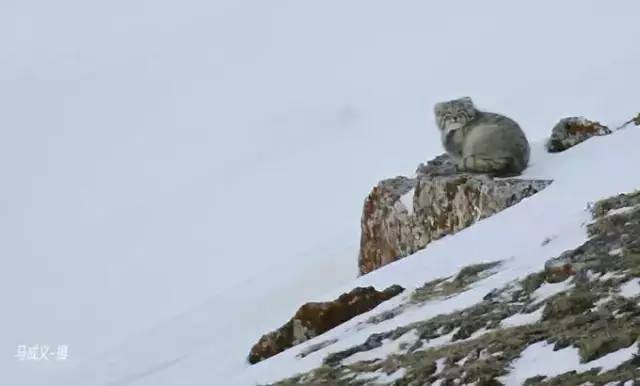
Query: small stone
(571, 131)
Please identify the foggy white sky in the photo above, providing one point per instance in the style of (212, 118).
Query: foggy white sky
(154, 153)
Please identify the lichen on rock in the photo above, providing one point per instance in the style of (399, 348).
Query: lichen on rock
(444, 202)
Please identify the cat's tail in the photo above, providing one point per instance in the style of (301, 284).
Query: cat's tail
(500, 166)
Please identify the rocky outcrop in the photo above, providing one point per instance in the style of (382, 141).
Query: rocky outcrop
(313, 319)
(571, 131)
(402, 215)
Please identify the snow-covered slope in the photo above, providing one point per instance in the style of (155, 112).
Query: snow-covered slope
(180, 177)
(516, 236)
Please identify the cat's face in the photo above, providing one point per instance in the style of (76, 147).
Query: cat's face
(451, 115)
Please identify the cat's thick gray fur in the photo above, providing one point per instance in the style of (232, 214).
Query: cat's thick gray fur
(481, 142)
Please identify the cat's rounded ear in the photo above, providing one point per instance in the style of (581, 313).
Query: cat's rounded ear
(466, 99)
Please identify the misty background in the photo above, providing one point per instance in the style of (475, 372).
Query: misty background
(160, 157)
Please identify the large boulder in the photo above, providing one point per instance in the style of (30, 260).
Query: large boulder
(402, 215)
(571, 131)
(312, 319)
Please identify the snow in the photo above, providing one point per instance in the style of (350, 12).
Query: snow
(179, 178)
(522, 319)
(547, 290)
(439, 341)
(615, 252)
(630, 288)
(440, 365)
(527, 223)
(611, 275)
(407, 200)
(617, 383)
(387, 347)
(476, 334)
(600, 302)
(623, 210)
(381, 378)
(386, 379)
(368, 376)
(540, 359)
(563, 201)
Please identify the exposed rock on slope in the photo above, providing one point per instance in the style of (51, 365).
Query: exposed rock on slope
(313, 319)
(402, 215)
(590, 316)
(571, 131)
